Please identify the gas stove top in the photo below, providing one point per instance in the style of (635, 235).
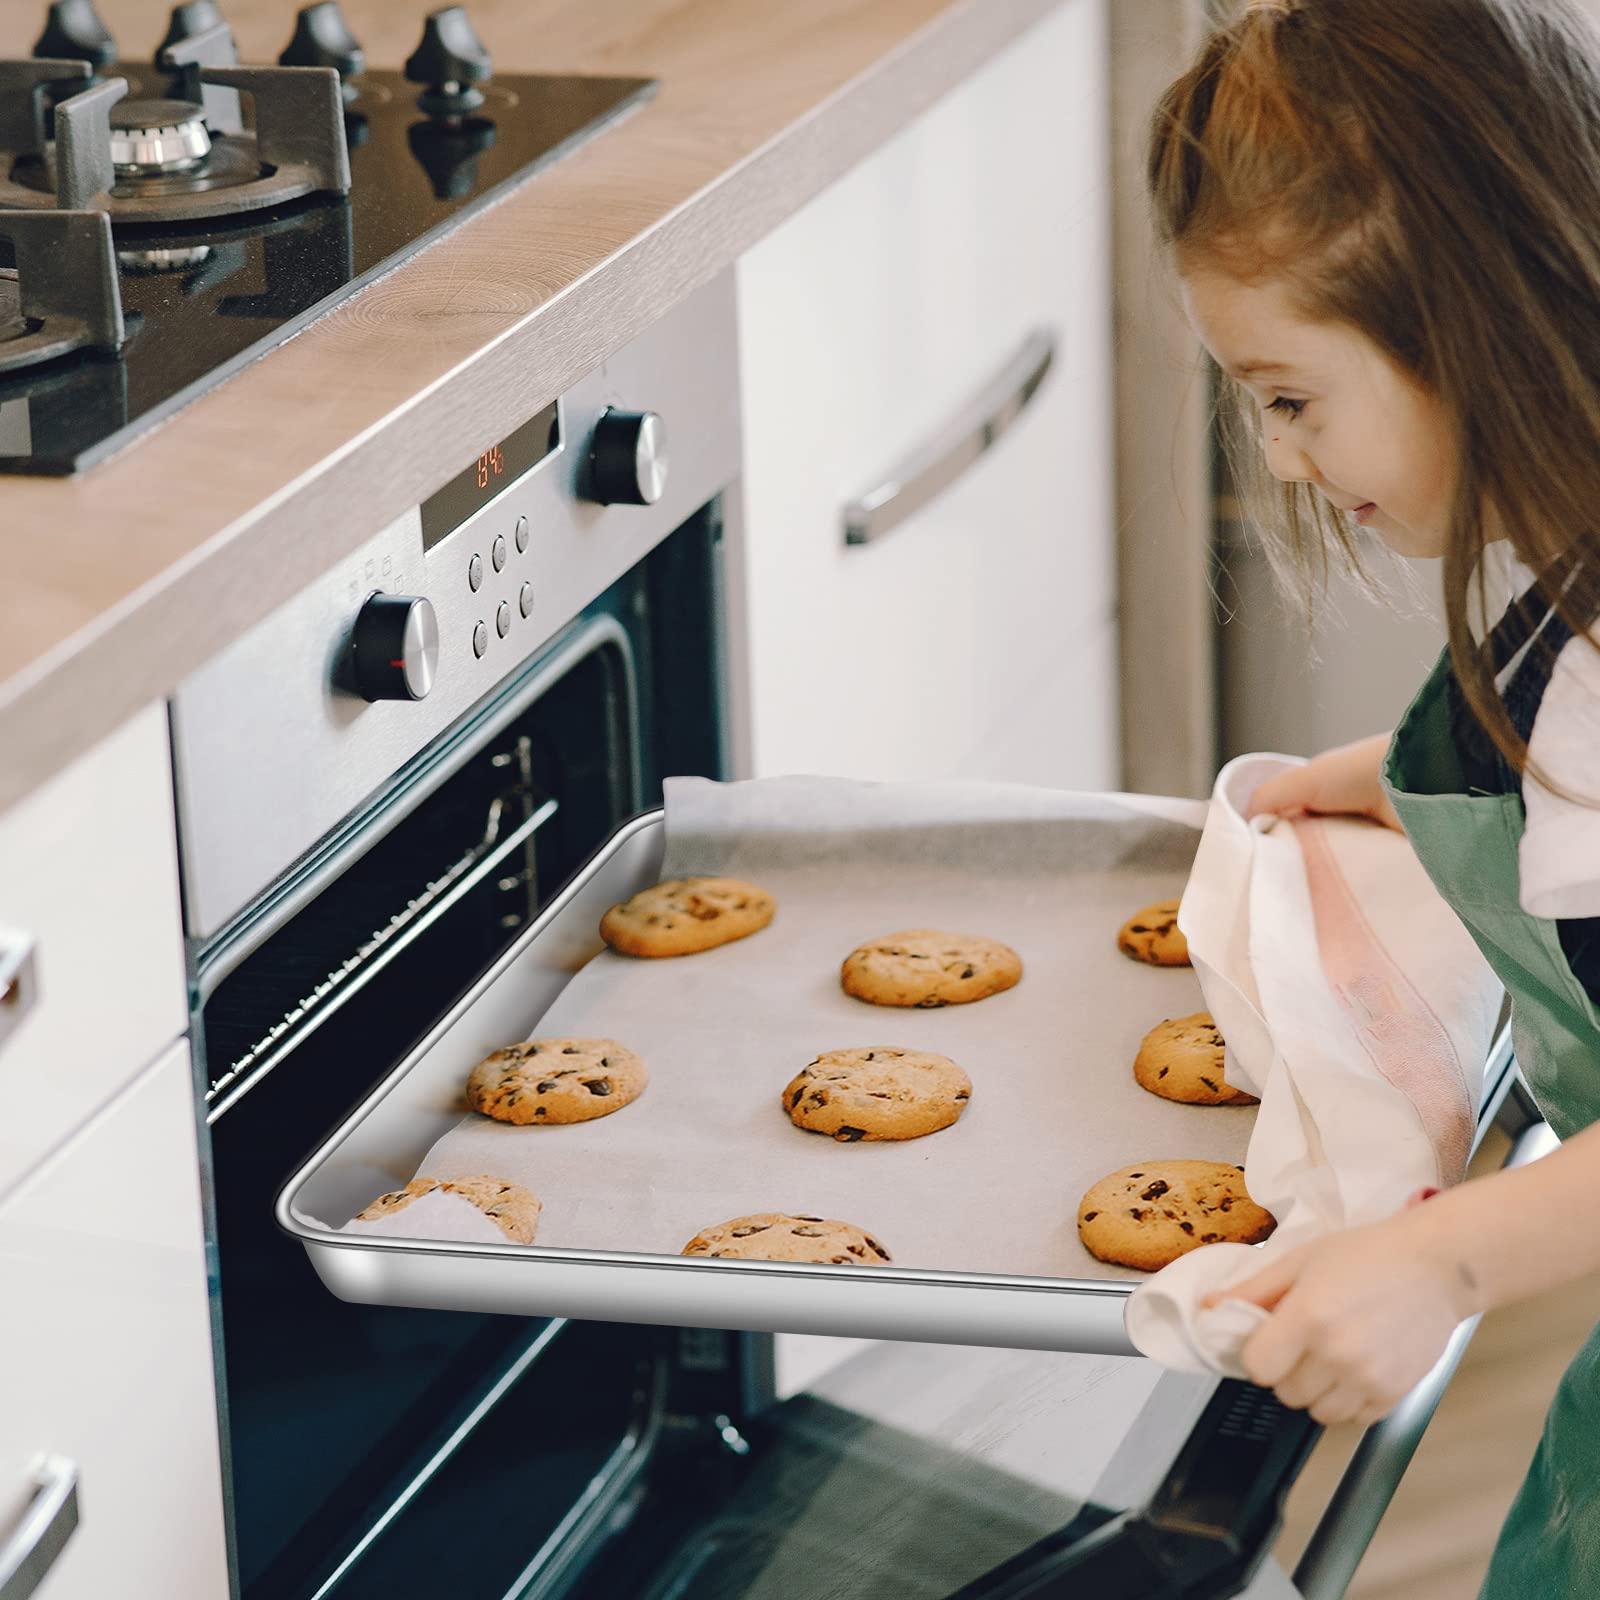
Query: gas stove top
(163, 224)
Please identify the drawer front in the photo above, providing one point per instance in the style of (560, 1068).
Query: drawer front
(89, 882)
(109, 1374)
(875, 326)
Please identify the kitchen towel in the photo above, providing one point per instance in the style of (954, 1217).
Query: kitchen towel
(1356, 1006)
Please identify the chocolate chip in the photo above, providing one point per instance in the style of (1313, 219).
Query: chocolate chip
(850, 1135)
(598, 1086)
(1209, 1238)
(967, 972)
(1135, 1174)
(1162, 1073)
(1136, 1213)
(1188, 1227)
(931, 1003)
(754, 1227)
(1089, 1216)
(963, 1094)
(1158, 1187)
(808, 1233)
(570, 1050)
(878, 1247)
(841, 1261)
(799, 1218)
(797, 1097)
(1208, 1083)
(545, 1085)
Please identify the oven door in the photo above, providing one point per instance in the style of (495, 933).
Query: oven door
(933, 1472)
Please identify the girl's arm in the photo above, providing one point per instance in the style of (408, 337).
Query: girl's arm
(1359, 1317)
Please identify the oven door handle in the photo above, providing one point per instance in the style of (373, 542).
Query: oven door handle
(47, 1524)
(939, 461)
(1346, 1527)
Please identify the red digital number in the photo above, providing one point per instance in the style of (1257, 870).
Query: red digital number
(483, 471)
(497, 461)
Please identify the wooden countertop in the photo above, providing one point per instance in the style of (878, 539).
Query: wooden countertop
(117, 583)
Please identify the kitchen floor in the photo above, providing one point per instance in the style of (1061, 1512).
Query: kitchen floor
(1434, 1543)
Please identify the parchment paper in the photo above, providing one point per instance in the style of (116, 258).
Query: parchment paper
(1054, 1104)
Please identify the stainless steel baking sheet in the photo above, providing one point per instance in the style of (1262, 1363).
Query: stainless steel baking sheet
(980, 1218)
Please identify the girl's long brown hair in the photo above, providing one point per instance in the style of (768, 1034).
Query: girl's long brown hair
(1427, 172)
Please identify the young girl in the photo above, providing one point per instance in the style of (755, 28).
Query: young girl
(1385, 216)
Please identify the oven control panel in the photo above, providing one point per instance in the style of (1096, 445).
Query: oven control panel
(314, 710)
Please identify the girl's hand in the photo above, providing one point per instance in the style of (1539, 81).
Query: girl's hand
(1357, 1319)
(1346, 780)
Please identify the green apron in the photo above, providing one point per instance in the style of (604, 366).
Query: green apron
(1549, 1548)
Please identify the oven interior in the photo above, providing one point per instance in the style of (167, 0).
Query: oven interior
(379, 1451)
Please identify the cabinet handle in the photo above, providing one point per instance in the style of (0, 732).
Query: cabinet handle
(19, 988)
(936, 464)
(45, 1527)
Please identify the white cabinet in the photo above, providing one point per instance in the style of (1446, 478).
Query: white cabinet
(105, 1352)
(89, 886)
(869, 322)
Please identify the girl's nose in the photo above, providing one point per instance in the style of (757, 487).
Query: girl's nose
(1285, 460)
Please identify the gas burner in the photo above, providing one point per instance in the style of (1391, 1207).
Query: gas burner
(189, 159)
(62, 294)
(151, 138)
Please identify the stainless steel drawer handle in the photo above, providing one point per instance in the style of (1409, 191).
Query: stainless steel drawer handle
(45, 1528)
(931, 469)
(19, 984)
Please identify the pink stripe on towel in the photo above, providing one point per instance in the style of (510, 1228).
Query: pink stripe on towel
(1402, 1036)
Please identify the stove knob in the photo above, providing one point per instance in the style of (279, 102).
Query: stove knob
(74, 32)
(322, 38)
(193, 17)
(450, 59)
(395, 645)
(627, 459)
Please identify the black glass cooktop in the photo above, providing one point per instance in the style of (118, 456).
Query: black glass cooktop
(201, 299)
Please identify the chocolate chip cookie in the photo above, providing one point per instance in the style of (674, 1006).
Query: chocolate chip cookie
(1152, 935)
(778, 1236)
(877, 1093)
(681, 916)
(1183, 1059)
(513, 1209)
(924, 967)
(556, 1080)
(1147, 1215)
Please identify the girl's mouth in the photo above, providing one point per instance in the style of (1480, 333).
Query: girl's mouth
(1365, 513)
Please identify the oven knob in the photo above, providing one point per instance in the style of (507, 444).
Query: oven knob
(395, 644)
(627, 459)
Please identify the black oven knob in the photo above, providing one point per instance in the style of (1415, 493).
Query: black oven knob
(627, 459)
(395, 645)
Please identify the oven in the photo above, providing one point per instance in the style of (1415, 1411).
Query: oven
(379, 789)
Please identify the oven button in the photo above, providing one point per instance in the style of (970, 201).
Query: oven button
(525, 599)
(475, 573)
(480, 639)
(502, 620)
(395, 644)
(627, 459)
(498, 553)
(521, 532)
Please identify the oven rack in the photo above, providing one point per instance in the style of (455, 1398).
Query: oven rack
(309, 967)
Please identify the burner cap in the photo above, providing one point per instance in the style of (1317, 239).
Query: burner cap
(152, 137)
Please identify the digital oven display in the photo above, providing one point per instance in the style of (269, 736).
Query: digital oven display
(497, 468)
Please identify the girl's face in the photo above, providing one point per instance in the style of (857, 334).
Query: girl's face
(1336, 412)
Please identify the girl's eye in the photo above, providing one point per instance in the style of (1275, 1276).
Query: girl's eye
(1286, 407)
